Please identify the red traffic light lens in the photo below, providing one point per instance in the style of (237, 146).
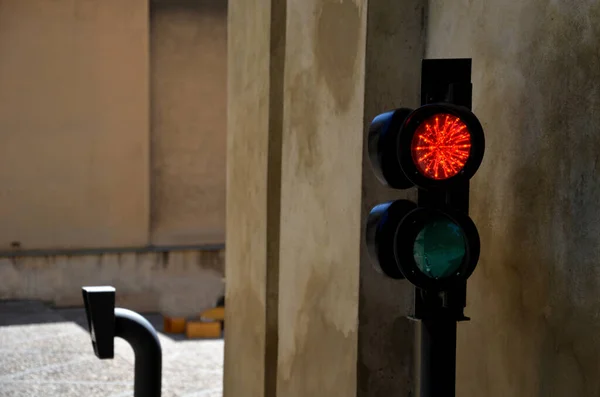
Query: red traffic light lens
(441, 146)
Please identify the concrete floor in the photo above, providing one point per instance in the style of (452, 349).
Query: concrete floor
(48, 352)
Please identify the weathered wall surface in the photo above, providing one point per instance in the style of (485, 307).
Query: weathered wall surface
(320, 198)
(174, 283)
(74, 123)
(295, 107)
(534, 297)
(188, 69)
(252, 231)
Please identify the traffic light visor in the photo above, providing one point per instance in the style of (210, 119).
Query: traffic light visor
(440, 146)
(382, 224)
(382, 146)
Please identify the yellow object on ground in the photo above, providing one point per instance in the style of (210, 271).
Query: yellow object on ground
(174, 325)
(200, 329)
(215, 314)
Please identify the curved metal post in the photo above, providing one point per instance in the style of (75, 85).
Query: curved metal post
(142, 337)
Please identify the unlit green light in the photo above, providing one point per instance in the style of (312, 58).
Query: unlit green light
(440, 248)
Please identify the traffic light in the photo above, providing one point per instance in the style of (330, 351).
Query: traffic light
(432, 243)
(436, 148)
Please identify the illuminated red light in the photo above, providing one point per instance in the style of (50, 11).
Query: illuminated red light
(441, 146)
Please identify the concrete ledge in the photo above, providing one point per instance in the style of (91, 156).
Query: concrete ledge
(17, 253)
(176, 283)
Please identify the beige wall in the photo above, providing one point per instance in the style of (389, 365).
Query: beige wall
(188, 68)
(74, 123)
(320, 198)
(112, 123)
(254, 72)
(295, 108)
(112, 135)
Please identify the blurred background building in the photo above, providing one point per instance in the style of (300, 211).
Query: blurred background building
(112, 151)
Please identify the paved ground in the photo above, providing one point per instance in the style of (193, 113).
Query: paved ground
(46, 352)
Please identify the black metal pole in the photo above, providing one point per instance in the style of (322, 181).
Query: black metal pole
(142, 337)
(438, 357)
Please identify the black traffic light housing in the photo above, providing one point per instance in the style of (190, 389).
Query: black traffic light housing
(432, 243)
(441, 171)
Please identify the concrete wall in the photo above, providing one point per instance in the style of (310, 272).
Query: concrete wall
(74, 124)
(295, 104)
(320, 198)
(255, 69)
(176, 283)
(534, 297)
(188, 68)
(112, 135)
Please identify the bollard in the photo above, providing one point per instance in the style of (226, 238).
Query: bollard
(107, 322)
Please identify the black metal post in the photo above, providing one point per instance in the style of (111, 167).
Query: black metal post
(438, 357)
(142, 337)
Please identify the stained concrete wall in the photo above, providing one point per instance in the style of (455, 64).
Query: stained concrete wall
(534, 297)
(320, 198)
(296, 93)
(188, 69)
(254, 76)
(177, 283)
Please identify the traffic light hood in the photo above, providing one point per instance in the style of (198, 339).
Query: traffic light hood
(382, 147)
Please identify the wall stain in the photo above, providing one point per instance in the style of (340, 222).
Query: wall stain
(303, 124)
(317, 342)
(336, 48)
(534, 297)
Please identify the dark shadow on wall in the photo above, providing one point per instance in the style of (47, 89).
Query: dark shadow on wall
(395, 45)
(557, 196)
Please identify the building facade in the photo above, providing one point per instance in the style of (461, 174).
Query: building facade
(112, 150)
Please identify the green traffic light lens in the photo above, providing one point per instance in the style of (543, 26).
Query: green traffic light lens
(440, 248)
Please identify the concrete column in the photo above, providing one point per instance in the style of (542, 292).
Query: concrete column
(295, 130)
(320, 198)
(256, 40)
